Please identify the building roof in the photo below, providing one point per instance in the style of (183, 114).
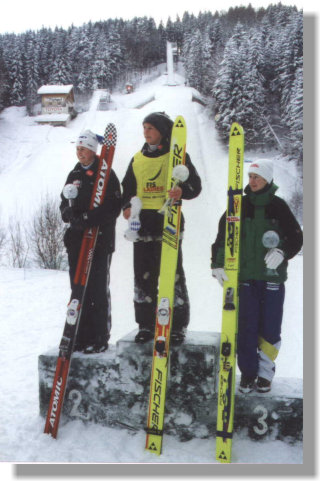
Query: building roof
(55, 89)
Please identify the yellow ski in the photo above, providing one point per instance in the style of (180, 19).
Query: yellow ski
(168, 266)
(228, 343)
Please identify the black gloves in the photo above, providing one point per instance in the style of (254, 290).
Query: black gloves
(78, 223)
(67, 214)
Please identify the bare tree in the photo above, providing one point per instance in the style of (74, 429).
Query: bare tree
(46, 235)
(2, 240)
(17, 246)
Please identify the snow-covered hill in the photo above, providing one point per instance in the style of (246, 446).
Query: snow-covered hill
(36, 160)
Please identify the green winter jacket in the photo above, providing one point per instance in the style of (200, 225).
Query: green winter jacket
(261, 211)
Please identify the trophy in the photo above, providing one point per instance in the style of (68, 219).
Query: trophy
(271, 239)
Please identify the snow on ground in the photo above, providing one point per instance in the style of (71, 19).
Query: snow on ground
(36, 160)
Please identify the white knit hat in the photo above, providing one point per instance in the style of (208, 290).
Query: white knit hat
(262, 167)
(88, 139)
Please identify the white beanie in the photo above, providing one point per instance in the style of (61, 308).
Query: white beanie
(262, 167)
(88, 139)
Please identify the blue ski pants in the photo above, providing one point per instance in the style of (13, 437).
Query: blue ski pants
(259, 327)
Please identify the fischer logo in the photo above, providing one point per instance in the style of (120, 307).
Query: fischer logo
(238, 166)
(177, 155)
(55, 403)
(156, 398)
(101, 183)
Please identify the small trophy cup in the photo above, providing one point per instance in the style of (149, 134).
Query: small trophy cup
(271, 239)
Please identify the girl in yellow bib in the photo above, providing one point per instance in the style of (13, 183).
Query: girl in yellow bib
(146, 178)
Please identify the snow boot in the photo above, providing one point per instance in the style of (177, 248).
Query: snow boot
(177, 338)
(144, 335)
(95, 348)
(263, 385)
(78, 347)
(246, 384)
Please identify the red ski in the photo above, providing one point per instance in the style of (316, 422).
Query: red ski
(80, 283)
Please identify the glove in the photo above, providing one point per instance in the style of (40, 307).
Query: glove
(67, 214)
(220, 275)
(78, 223)
(273, 258)
(134, 225)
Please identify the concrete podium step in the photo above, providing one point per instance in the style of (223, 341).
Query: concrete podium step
(112, 389)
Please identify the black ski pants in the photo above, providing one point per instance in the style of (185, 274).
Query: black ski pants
(95, 325)
(147, 256)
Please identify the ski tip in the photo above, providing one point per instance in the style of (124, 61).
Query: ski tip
(110, 134)
(236, 129)
(179, 122)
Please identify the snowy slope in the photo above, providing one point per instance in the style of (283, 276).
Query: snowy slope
(35, 160)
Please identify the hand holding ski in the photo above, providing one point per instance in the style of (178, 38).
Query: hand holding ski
(180, 174)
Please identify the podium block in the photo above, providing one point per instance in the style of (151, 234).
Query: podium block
(112, 389)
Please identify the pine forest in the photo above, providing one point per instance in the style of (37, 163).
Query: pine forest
(247, 64)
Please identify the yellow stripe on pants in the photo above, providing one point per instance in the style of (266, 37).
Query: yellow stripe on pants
(269, 349)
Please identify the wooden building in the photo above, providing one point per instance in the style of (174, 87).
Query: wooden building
(57, 104)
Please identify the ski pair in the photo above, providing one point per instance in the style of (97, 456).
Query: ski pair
(73, 317)
(169, 255)
(229, 329)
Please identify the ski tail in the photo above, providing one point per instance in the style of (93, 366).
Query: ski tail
(165, 302)
(57, 397)
(227, 363)
(73, 317)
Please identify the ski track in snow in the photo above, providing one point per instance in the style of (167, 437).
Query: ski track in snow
(35, 160)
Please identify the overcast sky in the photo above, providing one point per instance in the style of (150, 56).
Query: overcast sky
(21, 15)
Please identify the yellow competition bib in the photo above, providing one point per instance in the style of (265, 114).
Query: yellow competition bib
(151, 177)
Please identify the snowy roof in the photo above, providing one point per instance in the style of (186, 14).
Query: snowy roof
(52, 118)
(55, 89)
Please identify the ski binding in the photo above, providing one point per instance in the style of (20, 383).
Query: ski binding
(72, 312)
(164, 311)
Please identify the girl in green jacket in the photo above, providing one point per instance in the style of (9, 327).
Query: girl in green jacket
(270, 236)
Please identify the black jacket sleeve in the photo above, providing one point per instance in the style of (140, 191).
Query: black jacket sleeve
(64, 204)
(217, 248)
(292, 234)
(129, 186)
(191, 188)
